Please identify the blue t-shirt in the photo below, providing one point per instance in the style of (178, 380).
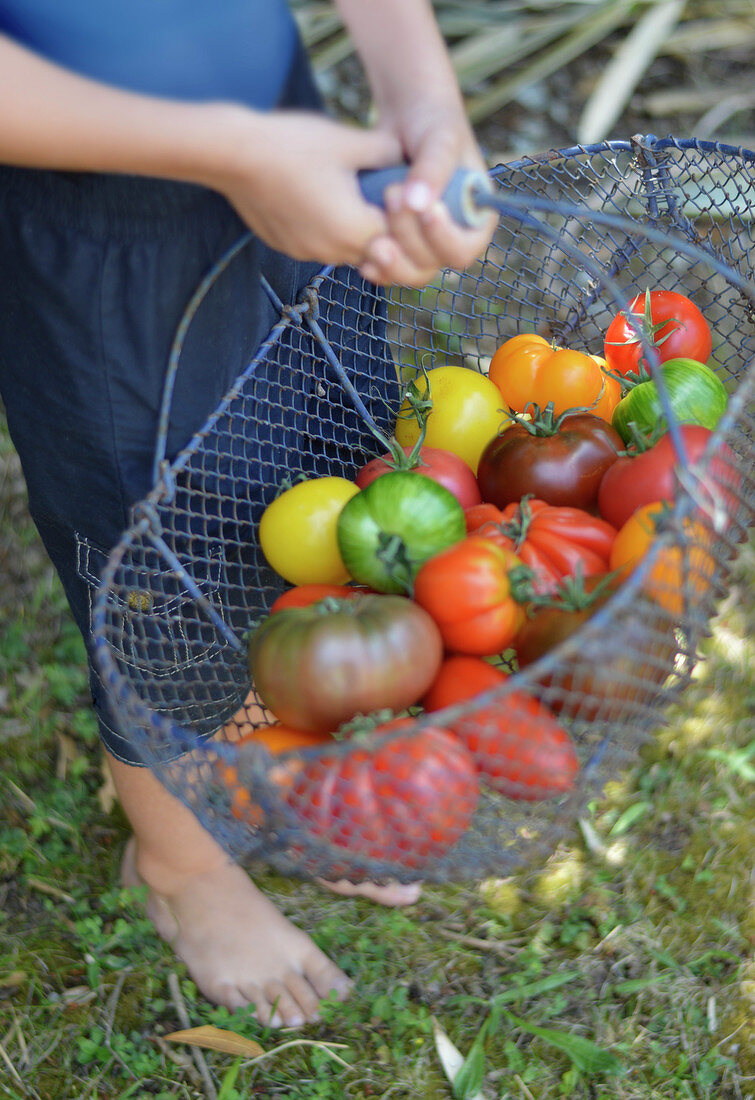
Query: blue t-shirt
(187, 49)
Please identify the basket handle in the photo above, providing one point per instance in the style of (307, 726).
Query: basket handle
(460, 196)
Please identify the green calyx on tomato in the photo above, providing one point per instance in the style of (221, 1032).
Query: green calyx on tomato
(394, 525)
(696, 395)
(574, 594)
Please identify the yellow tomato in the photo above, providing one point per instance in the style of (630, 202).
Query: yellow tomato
(467, 413)
(297, 531)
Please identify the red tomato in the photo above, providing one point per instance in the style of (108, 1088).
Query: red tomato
(672, 323)
(403, 797)
(467, 589)
(305, 594)
(442, 466)
(517, 744)
(640, 479)
(553, 542)
(563, 467)
(599, 678)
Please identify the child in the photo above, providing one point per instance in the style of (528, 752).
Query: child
(139, 141)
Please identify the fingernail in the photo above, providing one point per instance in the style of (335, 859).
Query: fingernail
(435, 213)
(417, 196)
(380, 252)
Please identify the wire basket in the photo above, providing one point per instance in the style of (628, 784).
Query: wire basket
(581, 231)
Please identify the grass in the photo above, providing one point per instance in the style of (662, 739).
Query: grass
(622, 969)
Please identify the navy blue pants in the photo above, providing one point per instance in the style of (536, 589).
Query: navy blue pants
(95, 273)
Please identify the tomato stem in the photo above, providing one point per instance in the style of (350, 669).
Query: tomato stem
(571, 593)
(544, 422)
(361, 726)
(391, 552)
(648, 329)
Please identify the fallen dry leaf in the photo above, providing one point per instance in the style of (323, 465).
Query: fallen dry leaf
(216, 1038)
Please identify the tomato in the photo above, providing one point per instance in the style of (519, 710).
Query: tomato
(466, 412)
(679, 575)
(596, 678)
(469, 591)
(276, 739)
(297, 531)
(442, 466)
(672, 323)
(696, 394)
(553, 542)
(305, 594)
(515, 366)
(316, 667)
(402, 794)
(517, 744)
(563, 465)
(390, 528)
(634, 480)
(536, 373)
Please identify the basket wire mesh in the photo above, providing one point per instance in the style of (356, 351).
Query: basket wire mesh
(580, 232)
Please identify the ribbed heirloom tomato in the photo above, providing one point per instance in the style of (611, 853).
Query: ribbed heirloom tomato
(518, 746)
(552, 542)
(401, 794)
(683, 568)
(529, 371)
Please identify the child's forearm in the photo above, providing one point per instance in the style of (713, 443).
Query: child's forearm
(53, 118)
(402, 50)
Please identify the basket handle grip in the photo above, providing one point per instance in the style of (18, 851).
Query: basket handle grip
(462, 195)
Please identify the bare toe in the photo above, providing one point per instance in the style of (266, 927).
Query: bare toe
(390, 893)
(238, 947)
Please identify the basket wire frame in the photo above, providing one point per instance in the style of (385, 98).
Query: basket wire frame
(580, 232)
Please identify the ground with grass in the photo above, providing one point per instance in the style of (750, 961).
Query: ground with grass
(621, 970)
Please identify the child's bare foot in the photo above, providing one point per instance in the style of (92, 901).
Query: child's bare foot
(238, 947)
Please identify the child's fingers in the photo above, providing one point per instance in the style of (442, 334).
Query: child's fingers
(452, 245)
(385, 263)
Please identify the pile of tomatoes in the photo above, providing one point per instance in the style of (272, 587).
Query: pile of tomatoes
(508, 508)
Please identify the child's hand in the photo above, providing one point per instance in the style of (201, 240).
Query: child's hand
(292, 177)
(422, 237)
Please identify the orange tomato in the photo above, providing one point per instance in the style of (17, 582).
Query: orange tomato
(515, 366)
(277, 738)
(529, 370)
(574, 380)
(679, 574)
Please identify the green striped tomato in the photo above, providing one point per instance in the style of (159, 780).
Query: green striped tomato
(696, 393)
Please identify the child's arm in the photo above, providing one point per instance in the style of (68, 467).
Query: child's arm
(289, 174)
(418, 100)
